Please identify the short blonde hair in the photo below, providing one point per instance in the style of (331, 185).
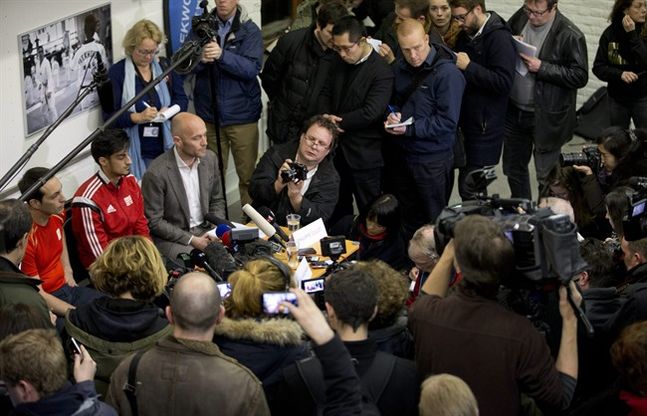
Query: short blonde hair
(36, 356)
(446, 395)
(130, 264)
(144, 29)
(392, 291)
(248, 285)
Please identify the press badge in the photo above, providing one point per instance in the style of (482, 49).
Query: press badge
(151, 131)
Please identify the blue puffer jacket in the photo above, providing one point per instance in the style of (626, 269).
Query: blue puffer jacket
(238, 90)
(435, 105)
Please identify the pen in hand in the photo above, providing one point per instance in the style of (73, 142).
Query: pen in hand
(391, 109)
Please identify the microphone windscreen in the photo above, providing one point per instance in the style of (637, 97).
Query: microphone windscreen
(220, 259)
(267, 228)
(222, 229)
(226, 238)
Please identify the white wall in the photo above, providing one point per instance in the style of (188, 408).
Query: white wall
(18, 16)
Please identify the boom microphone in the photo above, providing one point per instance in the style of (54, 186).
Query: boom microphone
(104, 86)
(267, 228)
(271, 218)
(200, 259)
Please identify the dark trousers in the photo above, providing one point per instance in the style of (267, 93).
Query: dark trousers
(423, 189)
(519, 145)
(621, 113)
(364, 184)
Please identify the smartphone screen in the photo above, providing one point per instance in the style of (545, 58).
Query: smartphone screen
(313, 285)
(272, 302)
(225, 290)
(76, 348)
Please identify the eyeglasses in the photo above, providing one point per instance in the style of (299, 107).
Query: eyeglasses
(313, 142)
(144, 52)
(537, 13)
(346, 49)
(461, 17)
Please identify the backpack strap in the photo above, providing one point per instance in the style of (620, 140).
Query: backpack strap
(420, 76)
(312, 375)
(378, 375)
(130, 388)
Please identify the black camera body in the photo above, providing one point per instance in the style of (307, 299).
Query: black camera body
(333, 247)
(205, 26)
(634, 222)
(589, 156)
(297, 172)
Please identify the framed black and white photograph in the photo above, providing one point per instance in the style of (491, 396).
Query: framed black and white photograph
(58, 61)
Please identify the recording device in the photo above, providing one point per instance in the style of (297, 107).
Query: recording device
(104, 86)
(267, 228)
(75, 347)
(313, 285)
(272, 302)
(224, 289)
(333, 247)
(204, 28)
(216, 220)
(200, 259)
(271, 218)
(296, 173)
(589, 156)
(634, 222)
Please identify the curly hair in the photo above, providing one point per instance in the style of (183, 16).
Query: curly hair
(629, 356)
(144, 29)
(130, 264)
(248, 285)
(392, 291)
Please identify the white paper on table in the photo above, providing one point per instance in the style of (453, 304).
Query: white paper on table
(526, 49)
(406, 122)
(303, 272)
(375, 43)
(310, 234)
(162, 116)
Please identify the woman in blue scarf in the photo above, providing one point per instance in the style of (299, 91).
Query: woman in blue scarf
(129, 76)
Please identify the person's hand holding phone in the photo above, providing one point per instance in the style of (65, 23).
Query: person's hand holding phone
(310, 318)
(84, 366)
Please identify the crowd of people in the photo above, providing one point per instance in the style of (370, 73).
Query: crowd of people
(366, 132)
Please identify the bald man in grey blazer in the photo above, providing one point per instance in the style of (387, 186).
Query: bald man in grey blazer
(180, 186)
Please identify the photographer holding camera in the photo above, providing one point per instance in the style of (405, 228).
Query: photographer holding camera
(498, 353)
(298, 177)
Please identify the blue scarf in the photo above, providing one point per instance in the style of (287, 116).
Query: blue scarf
(135, 152)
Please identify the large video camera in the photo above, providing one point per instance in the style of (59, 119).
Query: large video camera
(589, 156)
(205, 25)
(634, 222)
(545, 244)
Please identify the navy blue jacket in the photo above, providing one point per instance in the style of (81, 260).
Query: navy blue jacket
(80, 399)
(238, 90)
(489, 77)
(435, 106)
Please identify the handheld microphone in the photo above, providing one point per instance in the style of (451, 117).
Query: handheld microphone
(200, 259)
(269, 215)
(104, 86)
(221, 230)
(216, 220)
(267, 228)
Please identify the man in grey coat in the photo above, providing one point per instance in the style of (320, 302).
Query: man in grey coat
(180, 187)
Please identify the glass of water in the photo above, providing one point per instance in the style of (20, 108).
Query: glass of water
(294, 222)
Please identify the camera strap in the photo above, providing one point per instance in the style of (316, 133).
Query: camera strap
(130, 388)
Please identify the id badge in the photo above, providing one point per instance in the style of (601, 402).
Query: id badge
(151, 131)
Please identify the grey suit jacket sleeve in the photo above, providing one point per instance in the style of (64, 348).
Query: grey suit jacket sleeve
(213, 186)
(162, 207)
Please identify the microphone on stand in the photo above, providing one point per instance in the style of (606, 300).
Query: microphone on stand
(195, 49)
(267, 228)
(104, 86)
(269, 215)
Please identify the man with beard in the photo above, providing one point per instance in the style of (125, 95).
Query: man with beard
(109, 204)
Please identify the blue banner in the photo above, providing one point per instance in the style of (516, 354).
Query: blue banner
(177, 22)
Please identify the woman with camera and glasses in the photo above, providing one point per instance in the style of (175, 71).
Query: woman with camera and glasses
(149, 137)
(621, 61)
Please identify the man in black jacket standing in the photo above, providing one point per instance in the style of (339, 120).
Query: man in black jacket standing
(541, 114)
(312, 198)
(355, 98)
(487, 57)
(295, 73)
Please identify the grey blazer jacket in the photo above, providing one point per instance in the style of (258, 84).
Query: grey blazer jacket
(165, 201)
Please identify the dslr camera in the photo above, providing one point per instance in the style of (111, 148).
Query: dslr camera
(297, 172)
(589, 156)
(634, 222)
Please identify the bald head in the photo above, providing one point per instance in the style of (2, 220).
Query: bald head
(196, 302)
(410, 27)
(183, 122)
(189, 136)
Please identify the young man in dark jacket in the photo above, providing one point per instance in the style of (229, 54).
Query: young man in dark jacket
(541, 114)
(295, 72)
(429, 89)
(487, 58)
